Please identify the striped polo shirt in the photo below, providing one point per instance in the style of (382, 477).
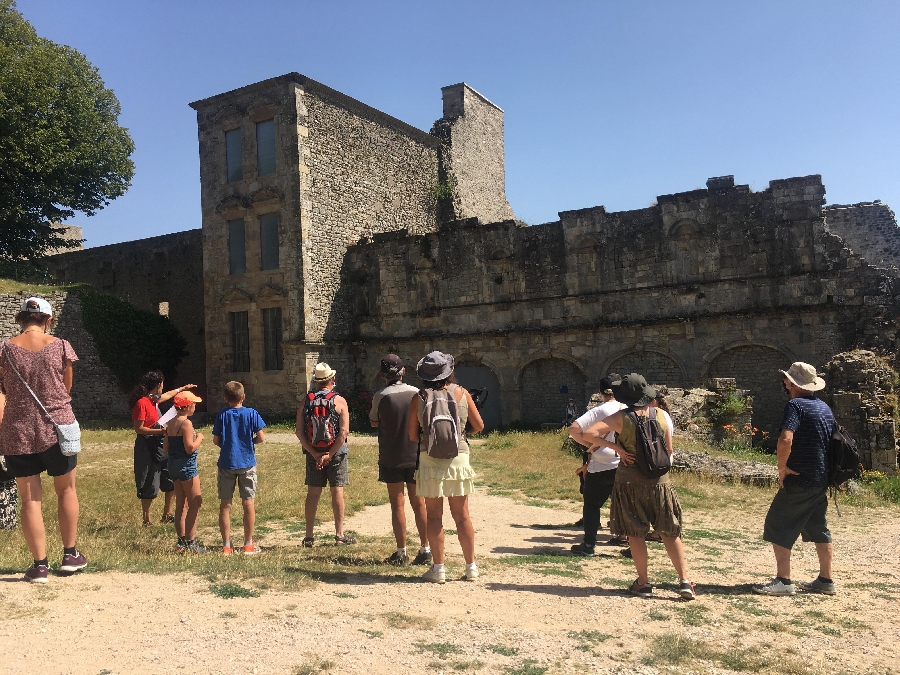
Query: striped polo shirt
(812, 422)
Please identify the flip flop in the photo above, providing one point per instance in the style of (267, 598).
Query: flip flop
(653, 536)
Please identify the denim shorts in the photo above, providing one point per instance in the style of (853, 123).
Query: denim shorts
(797, 511)
(183, 468)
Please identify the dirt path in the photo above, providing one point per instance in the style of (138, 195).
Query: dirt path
(523, 615)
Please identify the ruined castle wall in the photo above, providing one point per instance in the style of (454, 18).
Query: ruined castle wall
(366, 176)
(869, 229)
(473, 161)
(95, 392)
(720, 282)
(159, 274)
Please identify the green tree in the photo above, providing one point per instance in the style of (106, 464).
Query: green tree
(61, 148)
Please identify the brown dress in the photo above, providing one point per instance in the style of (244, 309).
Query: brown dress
(26, 429)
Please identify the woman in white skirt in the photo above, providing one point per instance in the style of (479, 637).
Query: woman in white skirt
(450, 478)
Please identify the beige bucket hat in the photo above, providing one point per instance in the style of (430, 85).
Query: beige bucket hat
(323, 372)
(804, 376)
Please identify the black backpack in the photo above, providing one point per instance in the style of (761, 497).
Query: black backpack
(650, 453)
(844, 462)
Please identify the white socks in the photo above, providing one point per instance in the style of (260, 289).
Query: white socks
(437, 567)
(424, 549)
(402, 551)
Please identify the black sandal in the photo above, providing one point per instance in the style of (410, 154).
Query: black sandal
(307, 542)
(642, 591)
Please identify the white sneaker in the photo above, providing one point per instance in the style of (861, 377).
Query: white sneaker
(435, 574)
(471, 572)
(775, 587)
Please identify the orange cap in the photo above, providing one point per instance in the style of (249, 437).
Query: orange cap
(185, 398)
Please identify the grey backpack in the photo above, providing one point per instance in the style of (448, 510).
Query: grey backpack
(440, 423)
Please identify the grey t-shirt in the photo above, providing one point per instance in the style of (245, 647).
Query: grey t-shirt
(390, 408)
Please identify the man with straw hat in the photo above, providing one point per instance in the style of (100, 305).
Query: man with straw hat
(801, 503)
(323, 425)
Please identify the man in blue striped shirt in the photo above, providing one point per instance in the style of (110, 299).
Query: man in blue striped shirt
(800, 505)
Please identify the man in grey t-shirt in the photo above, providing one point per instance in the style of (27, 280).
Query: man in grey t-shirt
(398, 457)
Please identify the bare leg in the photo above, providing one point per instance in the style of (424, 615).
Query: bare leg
(249, 519)
(638, 546)
(825, 553)
(312, 503)
(398, 512)
(459, 509)
(418, 506)
(179, 507)
(67, 507)
(337, 506)
(145, 507)
(435, 518)
(225, 520)
(30, 495)
(167, 507)
(194, 502)
(675, 549)
(783, 561)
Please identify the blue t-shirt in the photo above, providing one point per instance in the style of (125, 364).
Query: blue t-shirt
(236, 427)
(812, 422)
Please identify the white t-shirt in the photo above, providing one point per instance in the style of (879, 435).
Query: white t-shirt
(602, 459)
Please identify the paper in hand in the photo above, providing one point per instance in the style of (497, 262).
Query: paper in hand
(168, 417)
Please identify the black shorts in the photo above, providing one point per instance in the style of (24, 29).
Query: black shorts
(389, 475)
(798, 511)
(50, 460)
(150, 474)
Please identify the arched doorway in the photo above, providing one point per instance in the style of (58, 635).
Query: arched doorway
(754, 368)
(478, 376)
(655, 367)
(546, 386)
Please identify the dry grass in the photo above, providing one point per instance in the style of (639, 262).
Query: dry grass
(13, 286)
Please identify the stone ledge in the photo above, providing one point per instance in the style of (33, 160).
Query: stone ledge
(729, 470)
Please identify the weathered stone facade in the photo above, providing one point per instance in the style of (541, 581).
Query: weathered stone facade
(159, 274)
(95, 393)
(720, 282)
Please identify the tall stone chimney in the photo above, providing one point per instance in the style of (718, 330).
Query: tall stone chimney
(472, 171)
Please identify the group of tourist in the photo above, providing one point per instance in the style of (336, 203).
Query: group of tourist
(423, 456)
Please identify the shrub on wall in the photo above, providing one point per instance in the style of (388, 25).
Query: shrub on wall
(130, 341)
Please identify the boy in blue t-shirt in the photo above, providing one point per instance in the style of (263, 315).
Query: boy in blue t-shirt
(235, 431)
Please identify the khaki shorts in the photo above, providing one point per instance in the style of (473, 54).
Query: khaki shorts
(245, 479)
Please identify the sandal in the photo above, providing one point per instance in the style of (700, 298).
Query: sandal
(307, 542)
(654, 536)
(344, 539)
(616, 541)
(167, 519)
(642, 591)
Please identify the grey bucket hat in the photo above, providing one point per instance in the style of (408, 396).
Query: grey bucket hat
(435, 366)
(633, 390)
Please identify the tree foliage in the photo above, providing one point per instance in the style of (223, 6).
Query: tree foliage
(130, 341)
(61, 148)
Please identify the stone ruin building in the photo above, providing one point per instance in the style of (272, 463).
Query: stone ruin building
(332, 231)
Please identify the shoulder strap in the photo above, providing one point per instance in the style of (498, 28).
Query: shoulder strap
(31, 391)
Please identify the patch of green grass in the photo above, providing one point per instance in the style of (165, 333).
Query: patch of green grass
(853, 624)
(538, 559)
(750, 606)
(587, 639)
(313, 665)
(228, 615)
(657, 615)
(533, 475)
(371, 633)
(341, 594)
(401, 620)
(452, 533)
(503, 650)
(458, 666)
(230, 590)
(694, 533)
(675, 648)
(527, 667)
(438, 648)
(693, 615)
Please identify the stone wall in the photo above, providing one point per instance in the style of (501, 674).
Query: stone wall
(721, 282)
(869, 228)
(95, 393)
(161, 275)
(473, 161)
(343, 171)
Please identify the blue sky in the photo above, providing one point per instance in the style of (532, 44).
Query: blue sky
(606, 103)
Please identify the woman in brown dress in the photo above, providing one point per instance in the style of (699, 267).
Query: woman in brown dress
(28, 436)
(640, 503)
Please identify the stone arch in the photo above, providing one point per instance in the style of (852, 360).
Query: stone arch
(656, 366)
(473, 373)
(754, 368)
(546, 384)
